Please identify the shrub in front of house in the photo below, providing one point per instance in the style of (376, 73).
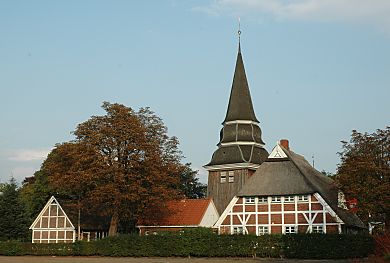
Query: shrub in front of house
(206, 244)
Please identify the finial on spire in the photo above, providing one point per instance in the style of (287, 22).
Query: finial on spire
(239, 35)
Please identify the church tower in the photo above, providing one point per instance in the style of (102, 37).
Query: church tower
(240, 149)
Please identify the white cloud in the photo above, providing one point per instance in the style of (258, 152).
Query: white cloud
(26, 155)
(371, 12)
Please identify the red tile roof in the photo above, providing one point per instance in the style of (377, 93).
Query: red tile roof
(186, 212)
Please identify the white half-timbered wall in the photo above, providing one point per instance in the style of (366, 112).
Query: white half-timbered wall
(278, 215)
(52, 225)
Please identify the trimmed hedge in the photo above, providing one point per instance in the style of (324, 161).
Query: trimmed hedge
(205, 244)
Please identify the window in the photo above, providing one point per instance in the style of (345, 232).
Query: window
(318, 229)
(263, 199)
(290, 229)
(263, 230)
(223, 177)
(249, 200)
(289, 199)
(276, 199)
(238, 230)
(303, 198)
(231, 176)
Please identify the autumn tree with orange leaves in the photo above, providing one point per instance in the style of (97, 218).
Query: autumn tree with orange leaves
(121, 165)
(364, 174)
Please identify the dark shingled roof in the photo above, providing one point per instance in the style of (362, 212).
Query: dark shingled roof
(294, 176)
(238, 154)
(240, 142)
(240, 102)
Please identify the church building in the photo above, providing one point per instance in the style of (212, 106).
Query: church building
(260, 193)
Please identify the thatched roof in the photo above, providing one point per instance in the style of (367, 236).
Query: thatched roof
(293, 175)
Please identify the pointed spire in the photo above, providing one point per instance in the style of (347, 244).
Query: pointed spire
(240, 102)
(240, 143)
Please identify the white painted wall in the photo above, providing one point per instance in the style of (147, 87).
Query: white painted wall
(210, 217)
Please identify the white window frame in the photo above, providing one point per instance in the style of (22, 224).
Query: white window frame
(290, 229)
(263, 200)
(222, 177)
(303, 198)
(289, 199)
(264, 230)
(238, 230)
(276, 199)
(318, 229)
(249, 200)
(231, 176)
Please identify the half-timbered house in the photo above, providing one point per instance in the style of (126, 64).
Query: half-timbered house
(287, 195)
(52, 225)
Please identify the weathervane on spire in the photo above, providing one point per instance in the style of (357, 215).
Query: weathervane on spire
(239, 35)
(239, 29)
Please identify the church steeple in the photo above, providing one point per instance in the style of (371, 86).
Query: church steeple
(240, 103)
(240, 142)
(240, 148)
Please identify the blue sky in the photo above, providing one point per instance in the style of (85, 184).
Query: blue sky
(317, 69)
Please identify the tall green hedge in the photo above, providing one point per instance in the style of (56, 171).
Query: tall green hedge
(307, 246)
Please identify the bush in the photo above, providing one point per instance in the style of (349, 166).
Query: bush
(329, 246)
(12, 248)
(204, 243)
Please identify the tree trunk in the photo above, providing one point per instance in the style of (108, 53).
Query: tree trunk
(114, 224)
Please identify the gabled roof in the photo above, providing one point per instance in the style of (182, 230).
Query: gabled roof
(52, 209)
(186, 212)
(293, 176)
(240, 102)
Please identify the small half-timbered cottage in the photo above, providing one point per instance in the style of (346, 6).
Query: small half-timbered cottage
(287, 195)
(52, 225)
(183, 214)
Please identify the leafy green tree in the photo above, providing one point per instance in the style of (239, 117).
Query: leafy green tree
(14, 221)
(190, 185)
(122, 165)
(364, 173)
(35, 192)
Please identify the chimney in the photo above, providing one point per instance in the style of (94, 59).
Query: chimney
(284, 143)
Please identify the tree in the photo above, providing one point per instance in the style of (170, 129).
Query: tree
(190, 185)
(121, 165)
(14, 221)
(364, 173)
(34, 193)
